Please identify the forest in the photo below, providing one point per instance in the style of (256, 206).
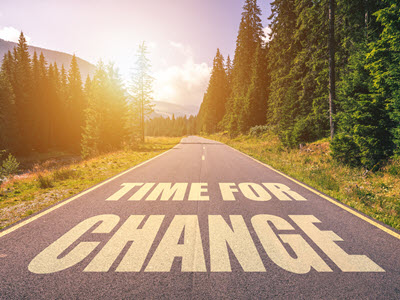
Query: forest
(281, 82)
(46, 108)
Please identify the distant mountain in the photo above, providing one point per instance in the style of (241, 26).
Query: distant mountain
(166, 109)
(51, 56)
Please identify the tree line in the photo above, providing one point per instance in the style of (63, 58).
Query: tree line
(45, 108)
(284, 82)
(176, 127)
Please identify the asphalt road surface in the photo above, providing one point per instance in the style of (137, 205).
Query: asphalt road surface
(200, 221)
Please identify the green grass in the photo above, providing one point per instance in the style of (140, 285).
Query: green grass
(23, 196)
(375, 194)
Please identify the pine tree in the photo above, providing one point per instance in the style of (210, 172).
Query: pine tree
(141, 89)
(8, 125)
(43, 105)
(298, 64)
(364, 134)
(105, 119)
(213, 108)
(228, 71)
(364, 137)
(255, 110)
(23, 91)
(249, 37)
(91, 130)
(384, 65)
(75, 106)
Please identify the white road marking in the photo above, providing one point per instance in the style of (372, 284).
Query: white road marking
(203, 157)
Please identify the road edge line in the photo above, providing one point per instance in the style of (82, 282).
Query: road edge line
(331, 200)
(68, 200)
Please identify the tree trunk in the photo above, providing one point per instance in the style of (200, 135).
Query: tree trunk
(332, 83)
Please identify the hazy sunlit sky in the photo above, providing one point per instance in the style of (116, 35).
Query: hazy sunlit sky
(182, 35)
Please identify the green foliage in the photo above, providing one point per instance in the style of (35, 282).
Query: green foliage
(212, 109)
(9, 166)
(64, 174)
(142, 93)
(298, 60)
(384, 65)
(243, 106)
(259, 130)
(255, 109)
(21, 81)
(345, 150)
(106, 115)
(41, 109)
(8, 122)
(394, 167)
(176, 127)
(367, 122)
(44, 182)
(76, 103)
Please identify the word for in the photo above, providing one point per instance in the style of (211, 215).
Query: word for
(139, 234)
(198, 191)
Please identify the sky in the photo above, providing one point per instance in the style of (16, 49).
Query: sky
(182, 35)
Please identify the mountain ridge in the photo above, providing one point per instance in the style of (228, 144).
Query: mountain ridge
(167, 109)
(52, 56)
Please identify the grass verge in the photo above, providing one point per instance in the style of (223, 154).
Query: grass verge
(375, 194)
(42, 187)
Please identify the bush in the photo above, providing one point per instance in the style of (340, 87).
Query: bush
(393, 168)
(9, 166)
(258, 130)
(44, 181)
(345, 150)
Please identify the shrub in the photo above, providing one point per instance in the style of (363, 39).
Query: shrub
(44, 182)
(258, 130)
(9, 166)
(393, 167)
(345, 150)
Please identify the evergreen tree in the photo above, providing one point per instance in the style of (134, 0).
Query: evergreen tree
(364, 125)
(142, 89)
(75, 107)
(22, 87)
(228, 70)
(8, 124)
(105, 119)
(250, 36)
(213, 107)
(364, 137)
(256, 101)
(43, 106)
(384, 65)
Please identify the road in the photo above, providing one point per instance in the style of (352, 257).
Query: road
(200, 221)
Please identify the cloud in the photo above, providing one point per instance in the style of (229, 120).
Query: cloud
(182, 84)
(267, 32)
(185, 50)
(11, 34)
